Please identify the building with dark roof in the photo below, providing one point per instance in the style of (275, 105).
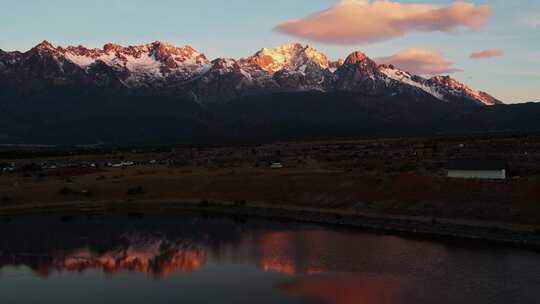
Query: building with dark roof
(473, 168)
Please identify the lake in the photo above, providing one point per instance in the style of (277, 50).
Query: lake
(212, 259)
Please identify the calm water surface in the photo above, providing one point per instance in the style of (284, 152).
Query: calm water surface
(196, 259)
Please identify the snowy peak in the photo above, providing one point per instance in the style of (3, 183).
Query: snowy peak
(292, 57)
(173, 57)
(169, 53)
(356, 58)
(402, 77)
(359, 73)
(80, 55)
(112, 47)
(225, 65)
(444, 88)
(142, 64)
(449, 82)
(44, 45)
(317, 57)
(43, 49)
(360, 62)
(334, 65)
(458, 89)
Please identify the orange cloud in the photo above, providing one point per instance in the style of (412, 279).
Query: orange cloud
(366, 21)
(420, 62)
(487, 54)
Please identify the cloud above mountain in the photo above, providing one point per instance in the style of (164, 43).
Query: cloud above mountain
(487, 54)
(420, 62)
(367, 21)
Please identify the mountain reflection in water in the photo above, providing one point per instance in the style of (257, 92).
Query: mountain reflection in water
(303, 263)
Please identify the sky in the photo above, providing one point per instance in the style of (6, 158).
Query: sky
(492, 46)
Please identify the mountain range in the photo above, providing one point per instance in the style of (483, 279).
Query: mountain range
(160, 92)
(184, 72)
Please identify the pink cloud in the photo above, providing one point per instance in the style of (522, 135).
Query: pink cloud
(420, 62)
(366, 21)
(487, 54)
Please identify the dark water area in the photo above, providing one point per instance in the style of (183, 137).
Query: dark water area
(202, 259)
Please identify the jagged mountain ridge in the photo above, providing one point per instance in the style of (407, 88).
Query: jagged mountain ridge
(161, 68)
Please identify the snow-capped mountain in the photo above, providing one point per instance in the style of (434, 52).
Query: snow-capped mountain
(360, 73)
(144, 63)
(291, 57)
(161, 68)
(455, 89)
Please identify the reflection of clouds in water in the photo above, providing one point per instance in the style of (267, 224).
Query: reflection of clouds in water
(278, 252)
(319, 251)
(349, 288)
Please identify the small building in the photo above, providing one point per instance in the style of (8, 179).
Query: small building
(276, 165)
(480, 169)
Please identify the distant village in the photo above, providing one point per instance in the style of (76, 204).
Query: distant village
(488, 158)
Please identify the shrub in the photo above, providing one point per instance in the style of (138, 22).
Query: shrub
(71, 191)
(66, 218)
(240, 203)
(239, 219)
(5, 199)
(67, 191)
(137, 215)
(203, 203)
(87, 193)
(135, 190)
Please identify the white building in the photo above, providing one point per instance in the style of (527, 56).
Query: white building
(276, 165)
(480, 169)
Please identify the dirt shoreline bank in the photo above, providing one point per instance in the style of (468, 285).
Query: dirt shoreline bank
(418, 227)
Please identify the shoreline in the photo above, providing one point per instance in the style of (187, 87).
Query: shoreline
(410, 226)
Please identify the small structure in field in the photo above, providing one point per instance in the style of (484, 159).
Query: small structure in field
(5, 167)
(479, 169)
(276, 165)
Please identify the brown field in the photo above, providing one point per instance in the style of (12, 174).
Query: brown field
(390, 177)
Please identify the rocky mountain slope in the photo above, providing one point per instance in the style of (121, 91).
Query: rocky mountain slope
(164, 69)
(159, 93)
